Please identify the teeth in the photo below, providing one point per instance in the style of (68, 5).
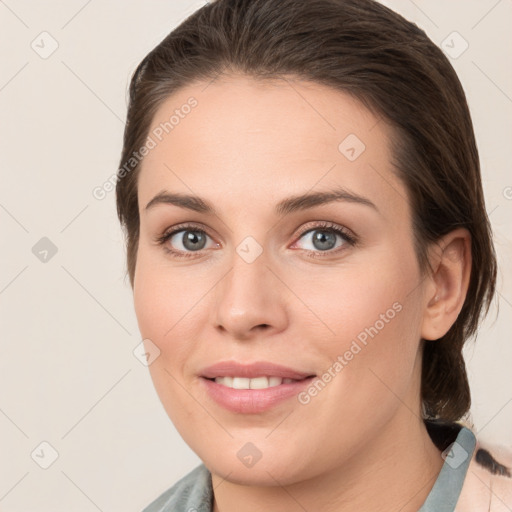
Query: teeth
(274, 381)
(240, 383)
(256, 383)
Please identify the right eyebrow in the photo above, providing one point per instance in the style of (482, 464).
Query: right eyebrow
(189, 202)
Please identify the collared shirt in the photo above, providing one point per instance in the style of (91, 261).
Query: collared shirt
(474, 478)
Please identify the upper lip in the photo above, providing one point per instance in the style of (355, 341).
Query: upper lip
(252, 370)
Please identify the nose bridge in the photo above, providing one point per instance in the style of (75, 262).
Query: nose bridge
(248, 295)
(248, 277)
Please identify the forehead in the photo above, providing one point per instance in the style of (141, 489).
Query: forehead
(241, 135)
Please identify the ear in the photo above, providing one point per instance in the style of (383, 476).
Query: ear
(447, 285)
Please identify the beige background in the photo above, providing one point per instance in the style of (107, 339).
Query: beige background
(68, 375)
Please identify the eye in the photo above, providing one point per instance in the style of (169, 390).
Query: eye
(184, 241)
(323, 238)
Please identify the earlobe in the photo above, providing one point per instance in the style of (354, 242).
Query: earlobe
(447, 284)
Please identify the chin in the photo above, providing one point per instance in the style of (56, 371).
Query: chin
(247, 465)
(267, 474)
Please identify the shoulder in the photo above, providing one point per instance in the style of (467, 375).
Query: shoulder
(488, 482)
(193, 493)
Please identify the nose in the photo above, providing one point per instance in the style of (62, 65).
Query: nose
(250, 299)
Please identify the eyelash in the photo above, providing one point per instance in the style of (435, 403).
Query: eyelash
(347, 236)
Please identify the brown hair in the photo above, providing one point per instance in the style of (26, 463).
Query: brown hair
(364, 49)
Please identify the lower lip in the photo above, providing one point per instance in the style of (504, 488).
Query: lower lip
(252, 401)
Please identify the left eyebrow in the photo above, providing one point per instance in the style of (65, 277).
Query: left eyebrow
(312, 199)
(284, 207)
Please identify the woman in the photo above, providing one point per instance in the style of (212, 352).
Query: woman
(309, 249)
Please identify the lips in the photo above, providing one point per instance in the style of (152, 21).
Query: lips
(252, 388)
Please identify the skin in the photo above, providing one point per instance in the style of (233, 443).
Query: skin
(360, 444)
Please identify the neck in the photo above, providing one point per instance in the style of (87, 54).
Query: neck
(395, 471)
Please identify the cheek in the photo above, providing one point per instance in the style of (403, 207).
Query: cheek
(354, 300)
(161, 303)
(165, 315)
(371, 317)
(172, 307)
(162, 295)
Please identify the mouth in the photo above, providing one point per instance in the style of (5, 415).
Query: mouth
(252, 388)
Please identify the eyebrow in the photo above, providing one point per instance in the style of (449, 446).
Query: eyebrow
(286, 206)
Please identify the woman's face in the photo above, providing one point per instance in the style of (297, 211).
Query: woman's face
(266, 287)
